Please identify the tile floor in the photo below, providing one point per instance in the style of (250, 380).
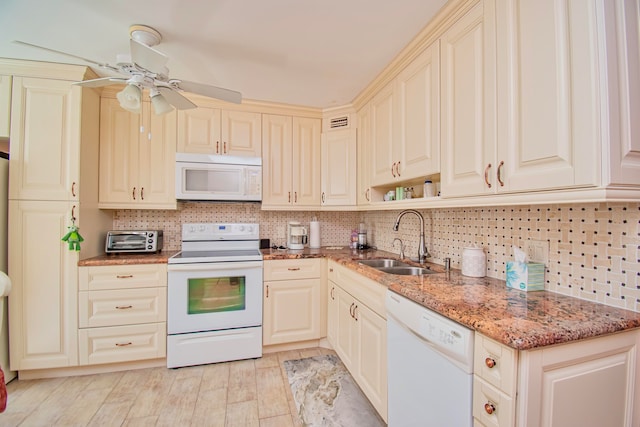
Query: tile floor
(241, 393)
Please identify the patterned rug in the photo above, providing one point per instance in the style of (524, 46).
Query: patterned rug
(326, 394)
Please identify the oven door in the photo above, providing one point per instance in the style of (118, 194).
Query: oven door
(214, 296)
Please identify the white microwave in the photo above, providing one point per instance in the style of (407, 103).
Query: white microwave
(218, 177)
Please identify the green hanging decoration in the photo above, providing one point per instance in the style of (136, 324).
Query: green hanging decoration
(73, 237)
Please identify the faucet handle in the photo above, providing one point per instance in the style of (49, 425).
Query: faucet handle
(402, 246)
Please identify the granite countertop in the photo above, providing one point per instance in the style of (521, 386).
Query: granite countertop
(521, 320)
(126, 259)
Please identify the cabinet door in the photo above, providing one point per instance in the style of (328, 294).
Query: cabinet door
(276, 160)
(382, 134)
(5, 106)
(338, 162)
(119, 134)
(43, 320)
(549, 133)
(345, 344)
(156, 160)
(332, 314)
(45, 139)
(363, 153)
(371, 365)
(468, 110)
(241, 133)
(306, 163)
(199, 131)
(418, 93)
(291, 311)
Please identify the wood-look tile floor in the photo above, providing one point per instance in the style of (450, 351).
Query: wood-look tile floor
(243, 393)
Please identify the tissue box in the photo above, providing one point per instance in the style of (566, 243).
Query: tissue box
(526, 276)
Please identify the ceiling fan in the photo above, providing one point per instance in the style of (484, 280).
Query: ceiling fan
(145, 68)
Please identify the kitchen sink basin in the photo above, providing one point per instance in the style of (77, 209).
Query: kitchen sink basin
(407, 270)
(383, 263)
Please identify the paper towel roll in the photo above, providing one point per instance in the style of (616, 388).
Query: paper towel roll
(5, 285)
(314, 234)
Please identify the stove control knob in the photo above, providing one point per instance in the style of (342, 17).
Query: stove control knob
(202, 227)
(241, 228)
(192, 229)
(149, 247)
(250, 229)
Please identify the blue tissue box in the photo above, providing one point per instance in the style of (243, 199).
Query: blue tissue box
(526, 276)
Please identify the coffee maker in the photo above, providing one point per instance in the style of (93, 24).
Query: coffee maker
(296, 235)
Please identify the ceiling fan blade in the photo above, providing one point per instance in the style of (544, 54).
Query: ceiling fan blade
(104, 81)
(90, 61)
(148, 58)
(175, 99)
(209, 91)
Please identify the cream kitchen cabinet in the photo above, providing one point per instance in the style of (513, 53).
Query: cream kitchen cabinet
(558, 385)
(359, 328)
(207, 130)
(338, 160)
(291, 162)
(122, 312)
(5, 106)
(137, 158)
(45, 139)
(43, 321)
(363, 179)
(293, 295)
(405, 127)
(547, 84)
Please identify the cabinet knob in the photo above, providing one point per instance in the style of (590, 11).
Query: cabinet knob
(489, 408)
(490, 362)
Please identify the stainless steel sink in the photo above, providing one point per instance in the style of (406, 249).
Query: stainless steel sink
(407, 270)
(383, 263)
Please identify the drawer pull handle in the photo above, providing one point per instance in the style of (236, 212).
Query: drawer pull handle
(489, 362)
(489, 408)
(123, 344)
(293, 268)
(124, 276)
(123, 307)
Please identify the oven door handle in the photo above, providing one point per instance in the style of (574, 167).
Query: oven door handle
(215, 266)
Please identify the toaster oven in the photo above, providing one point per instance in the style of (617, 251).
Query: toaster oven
(123, 241)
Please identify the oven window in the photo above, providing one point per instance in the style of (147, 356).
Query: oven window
(219, 294)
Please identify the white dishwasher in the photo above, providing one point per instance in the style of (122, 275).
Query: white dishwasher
(430, 367)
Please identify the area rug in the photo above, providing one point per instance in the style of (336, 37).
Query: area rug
(326, 395)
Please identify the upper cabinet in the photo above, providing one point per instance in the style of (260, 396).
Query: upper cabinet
(207, 130)
(290, 162)
(45, 139)
(468, 107)
(5, 106)
(137, 158)
(405, 129)
(338, 171)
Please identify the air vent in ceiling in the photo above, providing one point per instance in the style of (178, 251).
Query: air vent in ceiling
(339, 122)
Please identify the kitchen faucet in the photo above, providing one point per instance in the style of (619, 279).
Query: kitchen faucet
(423, 253)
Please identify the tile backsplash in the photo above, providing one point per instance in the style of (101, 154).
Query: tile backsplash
(594, 248)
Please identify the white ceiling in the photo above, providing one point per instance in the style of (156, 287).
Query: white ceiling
(315, 53)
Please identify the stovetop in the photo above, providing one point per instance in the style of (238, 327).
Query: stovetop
(200, 256)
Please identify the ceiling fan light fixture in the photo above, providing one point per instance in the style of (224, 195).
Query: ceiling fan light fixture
(130, 98)
(160, 104)
(145, 35)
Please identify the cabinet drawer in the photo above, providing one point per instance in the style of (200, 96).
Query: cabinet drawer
(495, 363)
(486, 399)
(122, 276)
(122, 307)
(122, 343)
(287, 269)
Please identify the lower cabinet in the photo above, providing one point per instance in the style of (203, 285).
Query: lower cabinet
(122, 313)
(292, 301)
(357, 329)
(591, 382)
